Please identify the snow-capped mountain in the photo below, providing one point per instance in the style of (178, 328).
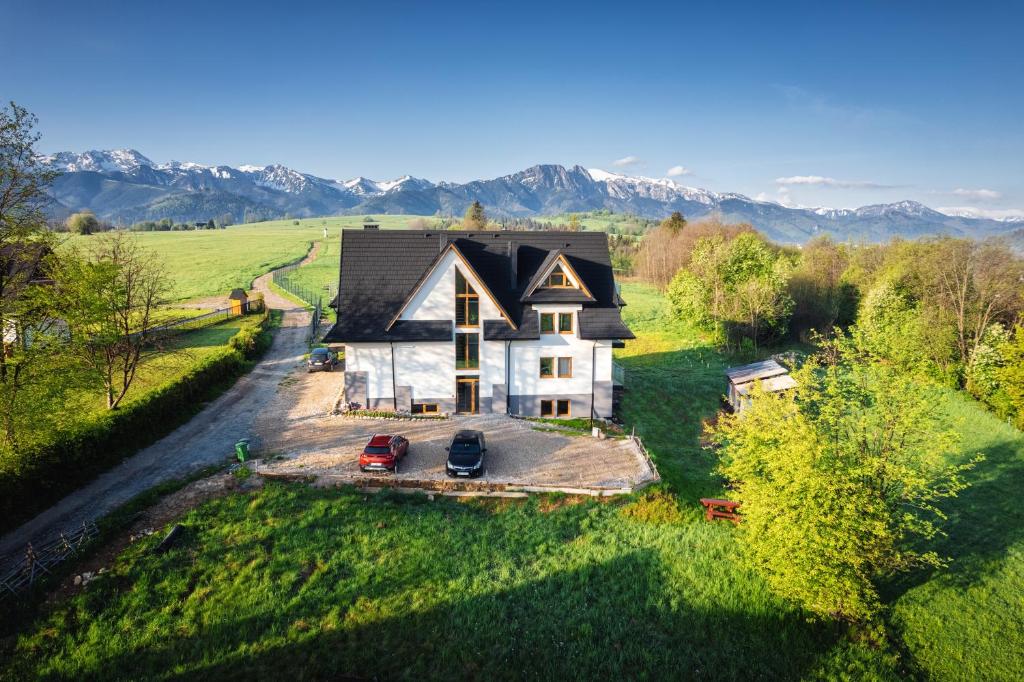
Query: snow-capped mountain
(124, 186)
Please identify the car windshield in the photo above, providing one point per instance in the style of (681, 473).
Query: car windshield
(319, 352)
(376, 450)
(465, 447)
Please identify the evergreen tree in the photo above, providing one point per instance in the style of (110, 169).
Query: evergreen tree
(475, 218)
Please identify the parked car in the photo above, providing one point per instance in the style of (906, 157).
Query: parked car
(466, 454)
(321, 360)
(383, 452)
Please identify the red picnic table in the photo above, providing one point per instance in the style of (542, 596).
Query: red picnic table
(720, 509)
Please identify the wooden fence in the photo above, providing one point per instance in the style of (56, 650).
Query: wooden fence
(39, 561)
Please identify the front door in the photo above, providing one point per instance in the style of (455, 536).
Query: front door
(466, 394)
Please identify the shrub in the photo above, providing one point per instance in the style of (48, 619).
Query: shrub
(36, 477)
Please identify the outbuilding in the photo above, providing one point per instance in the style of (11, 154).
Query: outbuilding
(773, 377)
(239, 301)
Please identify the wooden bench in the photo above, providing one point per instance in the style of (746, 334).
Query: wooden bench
(720, 509)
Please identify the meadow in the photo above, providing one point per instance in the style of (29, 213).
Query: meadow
(301, 582)
(206, 263)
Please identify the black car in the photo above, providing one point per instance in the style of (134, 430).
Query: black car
(321, 360)
(466, 454)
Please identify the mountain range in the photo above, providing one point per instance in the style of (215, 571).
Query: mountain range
(123, 186)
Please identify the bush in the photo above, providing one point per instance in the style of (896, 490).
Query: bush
(33, 479)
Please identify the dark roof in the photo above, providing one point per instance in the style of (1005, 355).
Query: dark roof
(755, 371)
(24, 262)
(381, 268)
(238, 295)
(567, 295)
(603, 323)
(355, 329)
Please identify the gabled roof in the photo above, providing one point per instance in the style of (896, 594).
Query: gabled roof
(552, 260)
(381, 270)
(238, 295)
(755, 371)
(451, 248)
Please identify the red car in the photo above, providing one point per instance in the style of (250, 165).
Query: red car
(382, 452)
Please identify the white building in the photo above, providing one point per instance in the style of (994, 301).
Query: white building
(458, 322)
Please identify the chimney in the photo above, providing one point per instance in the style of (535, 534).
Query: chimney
(513, 264)
(371, 226)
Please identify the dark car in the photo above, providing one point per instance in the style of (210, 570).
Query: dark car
(321, 360)
(383, 452)
(466, 454)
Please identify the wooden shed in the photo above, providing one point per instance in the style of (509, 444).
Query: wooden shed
(239, 301)
(773, 377)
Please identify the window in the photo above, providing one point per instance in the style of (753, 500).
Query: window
(548, 366)
(565, 323)
(562, 408)
(547, 408)
(424, 408)
(467, 351)
(547, 323)
(467, 303)
(557, 278)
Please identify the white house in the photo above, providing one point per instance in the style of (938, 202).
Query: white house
(483, 322)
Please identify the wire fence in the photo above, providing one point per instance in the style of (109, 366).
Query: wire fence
(38, 561)
(310, 296)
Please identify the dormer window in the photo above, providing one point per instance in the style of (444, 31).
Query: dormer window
(467, 303)
(558, 279)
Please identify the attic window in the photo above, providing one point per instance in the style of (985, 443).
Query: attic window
(558, 279)
(467, 303)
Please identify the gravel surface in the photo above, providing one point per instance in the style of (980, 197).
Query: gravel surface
(519, 452)
(208, 438)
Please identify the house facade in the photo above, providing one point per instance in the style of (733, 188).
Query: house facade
(485, 322)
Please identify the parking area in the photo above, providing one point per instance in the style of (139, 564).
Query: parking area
(299, 437)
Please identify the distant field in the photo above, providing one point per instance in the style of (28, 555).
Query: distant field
(615, 223)
(212, 262)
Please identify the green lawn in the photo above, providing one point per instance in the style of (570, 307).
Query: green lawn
(212, 262)
(73, 403)
(294, 581)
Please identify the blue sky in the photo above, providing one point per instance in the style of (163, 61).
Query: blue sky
(807, 103)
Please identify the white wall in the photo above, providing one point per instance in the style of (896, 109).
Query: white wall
(429, 367)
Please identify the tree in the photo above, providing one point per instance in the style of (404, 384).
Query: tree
(664, 250)
(823, 297)
(83, 222)
(674, 223)
(475, 218)
(574, 225)
(736, 288)
(24, 244)
(839, 481)
(109, 295)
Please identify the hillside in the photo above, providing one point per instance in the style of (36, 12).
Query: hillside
(124, 186)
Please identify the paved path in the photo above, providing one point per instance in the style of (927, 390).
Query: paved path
(208, 438)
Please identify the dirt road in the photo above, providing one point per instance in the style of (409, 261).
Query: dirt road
(208, 438)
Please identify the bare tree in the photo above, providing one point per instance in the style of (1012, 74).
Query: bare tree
(110, 294)
(977, 283)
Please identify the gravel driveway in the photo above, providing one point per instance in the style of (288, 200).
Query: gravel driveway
(519, 452)
(208, 438)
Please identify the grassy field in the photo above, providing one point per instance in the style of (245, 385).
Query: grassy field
(300, 582)
(75, 404)
(213, 262)
(616, 223)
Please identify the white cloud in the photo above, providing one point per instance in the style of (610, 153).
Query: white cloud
(676, 171)
(975, 212)
(626, 161)
(822, 181)
(977, 193)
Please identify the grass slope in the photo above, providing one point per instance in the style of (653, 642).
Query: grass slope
(299, 582)
(212, 262)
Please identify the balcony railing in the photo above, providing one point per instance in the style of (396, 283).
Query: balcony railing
(618, 374)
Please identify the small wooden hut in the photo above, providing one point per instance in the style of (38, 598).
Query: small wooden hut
(239, 301)
(773, 377)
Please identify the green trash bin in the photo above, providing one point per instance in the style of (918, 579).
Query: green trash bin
(242, 449)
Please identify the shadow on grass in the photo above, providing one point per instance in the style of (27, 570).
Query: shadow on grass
(596, 621)
(984, 521)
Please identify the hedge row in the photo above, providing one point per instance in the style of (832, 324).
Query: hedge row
(32, 480)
